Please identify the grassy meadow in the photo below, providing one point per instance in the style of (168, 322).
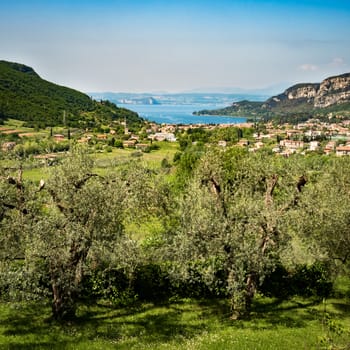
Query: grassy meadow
(186, 324)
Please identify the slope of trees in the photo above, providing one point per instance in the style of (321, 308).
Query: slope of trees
(25, 96)
(235, 220)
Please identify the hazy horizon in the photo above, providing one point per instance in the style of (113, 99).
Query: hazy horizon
(177, 46)
(207, 90)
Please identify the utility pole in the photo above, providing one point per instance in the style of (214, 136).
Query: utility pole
(126, 130)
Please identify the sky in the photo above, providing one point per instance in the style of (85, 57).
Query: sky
(176, 46)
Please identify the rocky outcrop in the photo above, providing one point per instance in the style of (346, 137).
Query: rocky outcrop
(333, 90)
(308, 91)
(303, 100)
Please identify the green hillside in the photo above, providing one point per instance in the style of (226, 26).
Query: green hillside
(25, 96)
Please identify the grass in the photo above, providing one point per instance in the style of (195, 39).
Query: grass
(152, 159)
(35, 174)
(186, 324)
(103, 161)
(13, 124)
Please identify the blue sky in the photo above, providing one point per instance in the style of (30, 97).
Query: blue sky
(178, 45)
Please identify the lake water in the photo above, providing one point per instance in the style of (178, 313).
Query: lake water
(181, 114)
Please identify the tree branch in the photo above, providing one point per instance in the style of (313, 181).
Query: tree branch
(79, 184)
(271, 185)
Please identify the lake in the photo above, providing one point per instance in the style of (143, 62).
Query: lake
(181, 114)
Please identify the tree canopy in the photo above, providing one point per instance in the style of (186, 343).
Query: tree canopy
(25, 96)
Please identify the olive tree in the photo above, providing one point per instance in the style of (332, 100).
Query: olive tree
(325, 216)
(69, 223)
(18, 207)
(234, 215)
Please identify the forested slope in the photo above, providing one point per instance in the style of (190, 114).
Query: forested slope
(24, 95)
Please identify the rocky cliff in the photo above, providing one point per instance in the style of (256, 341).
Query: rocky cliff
(301, 102)
(333, 90)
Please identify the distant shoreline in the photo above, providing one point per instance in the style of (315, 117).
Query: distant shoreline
(181, 114)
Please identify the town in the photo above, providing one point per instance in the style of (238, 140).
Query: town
(284, 139)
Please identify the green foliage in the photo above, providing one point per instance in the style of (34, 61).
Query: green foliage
(237, 109)
(325, 215)
(187, 161)
(305, 280)
(151, 283)
(151, 147)
(314, 280)
(28, 148)
(198, 135)
(109, 284)
(333, 331)
(226, 223)
(74, 218)
(25, 96)
(230, 134)
(118, 144)
(236, 209)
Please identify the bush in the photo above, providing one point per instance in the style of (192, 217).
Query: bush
(165, 164)
(313, 280)
(153, 147)
(151, 283)
(177, 157)
(277, 283)
(306, 280)
(118, 144)
(112, 285)
(201, 284)
(136, 154)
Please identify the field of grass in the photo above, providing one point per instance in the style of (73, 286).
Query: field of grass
(153, 159)
(186, 324)
(35, 169)
(16, 126)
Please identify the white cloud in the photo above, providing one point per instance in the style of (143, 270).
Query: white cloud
(308, 67)
(337, 61)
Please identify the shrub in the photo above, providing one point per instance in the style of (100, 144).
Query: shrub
(276, 284)
(312, 280)
(112, 285)
(151, 283)
(306, 280)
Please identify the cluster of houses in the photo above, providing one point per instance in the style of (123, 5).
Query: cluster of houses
(288, 147)
(305, 137)
(284, 139)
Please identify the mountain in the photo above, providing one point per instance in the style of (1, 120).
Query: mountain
(305, 100)
(207, 98)
(126, 98)
(24, 95)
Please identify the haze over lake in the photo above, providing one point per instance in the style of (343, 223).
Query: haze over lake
(178, 108)
(181, 114)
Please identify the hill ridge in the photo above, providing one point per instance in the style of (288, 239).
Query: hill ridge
(24, 95)
(302, 100)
